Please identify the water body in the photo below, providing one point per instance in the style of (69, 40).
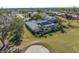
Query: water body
(37, 49)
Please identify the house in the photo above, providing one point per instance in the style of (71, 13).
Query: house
(43, 26)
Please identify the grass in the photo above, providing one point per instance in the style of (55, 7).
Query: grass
(57, 41)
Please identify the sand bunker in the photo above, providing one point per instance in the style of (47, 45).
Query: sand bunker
(37, 49)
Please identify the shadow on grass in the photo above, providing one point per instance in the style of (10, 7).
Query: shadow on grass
(45, 34)
(73, 26)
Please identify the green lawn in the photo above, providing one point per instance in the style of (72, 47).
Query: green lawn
(57, 42)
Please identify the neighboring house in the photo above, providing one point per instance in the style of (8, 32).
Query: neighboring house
(43, 26)
(74, 16)
(56, 13)
(71, 16)
(26, 19)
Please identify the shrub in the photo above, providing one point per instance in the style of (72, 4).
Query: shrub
(60, 25)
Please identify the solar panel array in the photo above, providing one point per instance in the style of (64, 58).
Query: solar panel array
(41, 25)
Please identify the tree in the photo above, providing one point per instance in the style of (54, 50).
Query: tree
(18, 30)
(35, 17)
(10, 28)
(5, 27)
(60, 25)
(61, 9)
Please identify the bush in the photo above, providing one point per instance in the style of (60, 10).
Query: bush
(16, 40)
(35, 17)
(60, 25)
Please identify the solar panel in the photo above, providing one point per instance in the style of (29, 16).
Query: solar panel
(40, 25)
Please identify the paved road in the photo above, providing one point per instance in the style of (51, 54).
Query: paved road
(37, 49)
